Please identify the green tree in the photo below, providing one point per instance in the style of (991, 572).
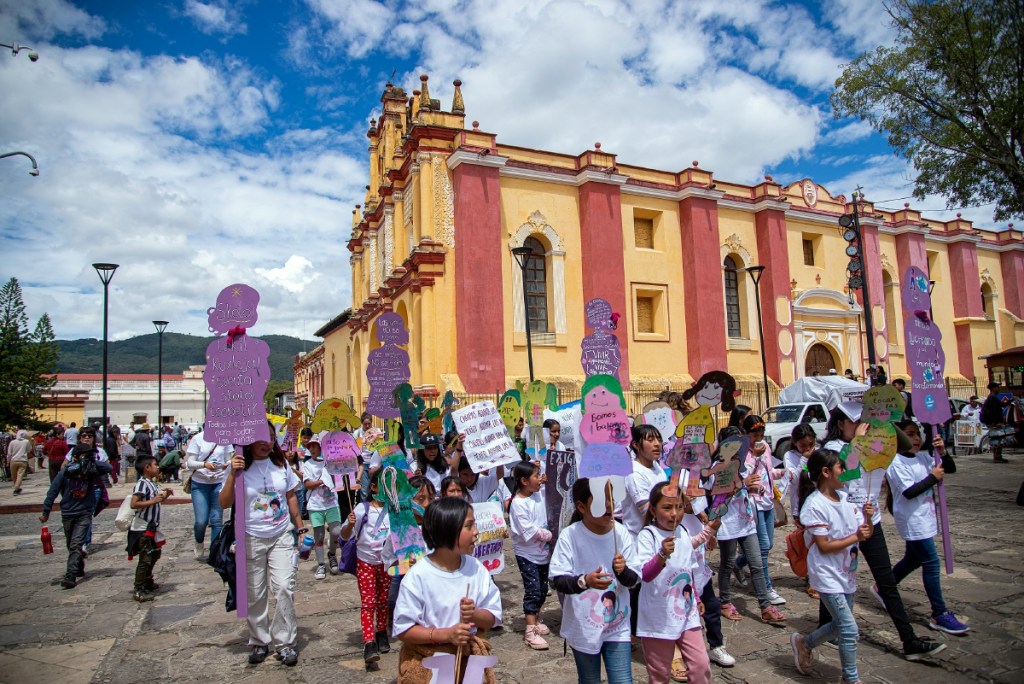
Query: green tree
(949, 95)
(26, 359)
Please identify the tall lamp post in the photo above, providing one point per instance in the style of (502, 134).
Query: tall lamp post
(160, 327)
(522, 256)
(34, 171)
(105, 272)
(755, 273)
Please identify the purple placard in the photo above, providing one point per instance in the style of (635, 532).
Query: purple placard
(387, 366)
(603, 459)
(600, 350)
(925, 359)
(341, 457)
(235, 308)
(236, 378)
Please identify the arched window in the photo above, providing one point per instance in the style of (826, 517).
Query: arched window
(733, 322)
(536, 287)
(986, 301)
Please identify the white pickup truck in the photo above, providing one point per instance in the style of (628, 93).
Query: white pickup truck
(779, 422)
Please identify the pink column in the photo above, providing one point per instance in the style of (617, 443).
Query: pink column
(604, 274)
(703, 289)
(1012, 266)
(965, 287)
(910, 251)
(873, 272)
(772, 247)
(479, 311)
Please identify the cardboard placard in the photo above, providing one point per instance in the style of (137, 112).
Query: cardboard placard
(664, 419)
(333, 415)
(510, 406)
(387, 366)
(603, 459)
(874, 450)
(968, 433)
(925, 358)
(410, 406)
(715, 388)
(487, 444)
(236, 378)
(732, 453)
(341, 458)
(690, 459)
(600, 349)
(490, 525)
(560, 469)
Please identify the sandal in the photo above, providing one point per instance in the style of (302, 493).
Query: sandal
(679, 673)
(812, 593)
(729, 612)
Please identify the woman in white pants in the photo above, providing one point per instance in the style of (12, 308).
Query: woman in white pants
(270, 510)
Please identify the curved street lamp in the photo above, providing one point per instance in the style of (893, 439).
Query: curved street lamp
(105, 272)
(160, 327)
(34, 171)
(522, 256)
(15, 49)
(755, 273)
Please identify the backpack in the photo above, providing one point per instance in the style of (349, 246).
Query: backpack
(796, 552)
(125, 515)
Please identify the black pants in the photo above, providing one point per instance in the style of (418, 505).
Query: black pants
(75, 529)
(149, 554)
(876, 554)
(712, 615)
(535, 584)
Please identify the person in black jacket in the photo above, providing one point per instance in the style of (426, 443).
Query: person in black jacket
(992, 417)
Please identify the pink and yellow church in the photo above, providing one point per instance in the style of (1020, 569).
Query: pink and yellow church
(446, 204)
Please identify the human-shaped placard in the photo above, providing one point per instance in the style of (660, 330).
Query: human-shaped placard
(925, 358)
(690, 458)
(605, 427)
(442, 668)
(406, 539)
(341, 458)
(538, 396)
(716, 388)
(387, 366)
(601, 355)
(410, 406)
(724, 474)
(510, 406)
(874, 450)
(333, 414)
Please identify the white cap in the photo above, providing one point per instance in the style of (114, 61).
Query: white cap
(851, 409)
(831, 371)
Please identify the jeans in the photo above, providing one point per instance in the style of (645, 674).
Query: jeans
(535, 584)
(766, 540)
(617, 664)
(843, 625)
(75, 528)
(206, 508)
(712, 615)
(727, 550)
(876, 554)
(921, 553)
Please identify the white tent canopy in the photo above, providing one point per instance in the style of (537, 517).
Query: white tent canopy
(830, 390)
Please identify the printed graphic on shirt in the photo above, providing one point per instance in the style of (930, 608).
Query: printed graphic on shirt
(268, 507)
(604, 609)
(680, 594)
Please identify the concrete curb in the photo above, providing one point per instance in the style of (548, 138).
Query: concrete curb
(38, 507)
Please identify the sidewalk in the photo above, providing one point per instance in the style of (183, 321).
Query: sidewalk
(35, 485)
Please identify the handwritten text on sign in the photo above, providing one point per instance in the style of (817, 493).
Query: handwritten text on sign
(490, 524)
(604, 459)
(487, 442)
(236, 378)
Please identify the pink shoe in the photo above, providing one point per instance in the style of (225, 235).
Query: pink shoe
(729, 612)
(534, 640)
(772, 615)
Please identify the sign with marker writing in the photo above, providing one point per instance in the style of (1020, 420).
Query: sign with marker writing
(491, 528)
(487, 443)
(236, 378)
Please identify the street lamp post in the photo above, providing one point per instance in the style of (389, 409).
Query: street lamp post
(522, 256)
(755, 273)
(15, 49)
(106, 273)
(160, 327)
(34, 171)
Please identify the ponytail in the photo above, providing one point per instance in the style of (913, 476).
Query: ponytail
(818, 461)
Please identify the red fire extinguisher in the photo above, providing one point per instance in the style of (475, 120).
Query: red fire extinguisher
(44, 537)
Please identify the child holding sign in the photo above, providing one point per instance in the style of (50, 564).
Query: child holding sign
(447, 596)
(531, 540)
(594, 564)
(322, 505)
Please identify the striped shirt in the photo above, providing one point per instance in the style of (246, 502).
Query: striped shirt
(146, 490)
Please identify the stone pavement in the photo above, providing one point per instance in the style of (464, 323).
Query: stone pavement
(95, 632)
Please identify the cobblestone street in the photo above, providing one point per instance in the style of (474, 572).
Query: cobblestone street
(96, 632)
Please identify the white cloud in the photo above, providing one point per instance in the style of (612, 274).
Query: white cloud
(214, 17)
(40, 20)
(848, 133)
(294, 276)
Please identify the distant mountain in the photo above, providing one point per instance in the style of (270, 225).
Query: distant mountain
(139, 354)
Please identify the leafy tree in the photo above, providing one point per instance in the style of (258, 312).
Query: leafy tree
(25, 360)
(950, 97)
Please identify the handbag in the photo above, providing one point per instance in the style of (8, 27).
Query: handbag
(125, 515)
(347, 562)
(781, 519)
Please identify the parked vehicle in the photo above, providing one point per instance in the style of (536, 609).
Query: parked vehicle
(779, 422)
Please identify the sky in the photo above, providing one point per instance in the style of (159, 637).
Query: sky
(199, 143)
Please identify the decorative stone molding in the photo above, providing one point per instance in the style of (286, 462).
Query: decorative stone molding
(987, 279)
(887, 266)
(372, 244)
(407, 217)
(389, 242)
(444, 203)
(537, 224)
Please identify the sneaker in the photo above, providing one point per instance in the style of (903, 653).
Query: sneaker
(999, 460)
(721, 656)
(775, 599)
(729, 612)
(332, 564)
(948, 623)
(921, 648)
(288, 656)
(152, 586)
(198, 549)
(67, 583)
(878, 597)
(142, 596)
(803, 657)
(541, 628)
(740, 577)
(257, 654)
(534, 640)
(321, 572)
(81, 571)
(772, 615)
(383, 645)
(371, 653)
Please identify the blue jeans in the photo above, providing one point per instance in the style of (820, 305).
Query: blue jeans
(921, 553)
(207, 510)
(535, 584)
(765, 540)
(617, 664)
(843, 625)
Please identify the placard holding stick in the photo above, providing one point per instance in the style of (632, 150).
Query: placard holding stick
(947, 541)
(241, 545)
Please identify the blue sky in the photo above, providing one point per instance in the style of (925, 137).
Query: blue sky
(204, 142)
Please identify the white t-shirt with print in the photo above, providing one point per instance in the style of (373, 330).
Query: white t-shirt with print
(702, 571)
(638, 492)
(323, 498)
(763, 500)
(668, 603)
(739, 520)
(430, 596)
(915, 518)
(831, 573)
(527, 515)
(794, 463)
(866, 488)
(372, 533)
(595, 616)
(266, 502)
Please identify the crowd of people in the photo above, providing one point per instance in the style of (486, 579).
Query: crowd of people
(642, 574)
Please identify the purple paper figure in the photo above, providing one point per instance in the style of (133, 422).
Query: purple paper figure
(235, 308)
(387, 366)
(925, 358)
(601, 355)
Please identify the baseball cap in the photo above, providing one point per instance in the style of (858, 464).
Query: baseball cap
(429, 439)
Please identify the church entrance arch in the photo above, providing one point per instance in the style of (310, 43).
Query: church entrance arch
(820, 359)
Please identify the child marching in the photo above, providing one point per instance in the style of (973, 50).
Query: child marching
(531, 541)
(322, 505)
(144, 537)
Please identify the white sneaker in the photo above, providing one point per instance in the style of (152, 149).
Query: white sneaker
(722, 657)
(198, 550)
(775, 599)
(321, 572)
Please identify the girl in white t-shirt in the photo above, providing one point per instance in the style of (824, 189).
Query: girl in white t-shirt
(447, 596)
(669, 610)
(371, 523)
(594, 564)
(802, 441)
(833, 528)
(531, 541)
(912, 477)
